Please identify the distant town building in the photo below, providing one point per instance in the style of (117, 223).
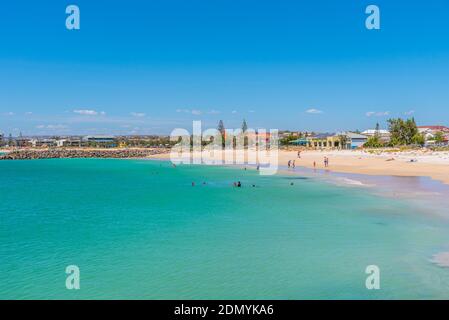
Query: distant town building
(433, 128)
(101, 141)
(21, 142)
(324, 141)
(43, 143)
(384, 135)
(430, 133)
(341, 140)
(73, 142)
(355, 140)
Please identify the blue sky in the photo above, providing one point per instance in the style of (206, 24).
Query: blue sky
(141, 67)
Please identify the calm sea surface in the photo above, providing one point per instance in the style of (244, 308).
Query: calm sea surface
(138, 229)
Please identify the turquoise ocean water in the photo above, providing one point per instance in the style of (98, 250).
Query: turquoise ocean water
(138, 229)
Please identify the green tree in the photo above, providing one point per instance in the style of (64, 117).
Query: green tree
(221, 127)
(343, 140)
(373, 142)
(244, 126)
(419, 139)
(286, 140)
(402, 132)
(222, 130)
(438, 137)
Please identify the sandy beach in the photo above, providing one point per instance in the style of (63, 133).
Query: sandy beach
(433, 164)
(379, 162)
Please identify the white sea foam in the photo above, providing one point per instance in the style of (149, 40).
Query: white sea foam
(441, 259)
(352, 182)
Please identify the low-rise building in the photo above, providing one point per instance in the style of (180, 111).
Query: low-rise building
(384, 135)
(43, 143)
(430, 132)
(22, 142)
(73, 142)
(355, 140)
(324, 141)
(101, 141)
(433, 129)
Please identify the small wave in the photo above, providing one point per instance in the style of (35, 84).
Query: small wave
(441, 259)
(353, 182)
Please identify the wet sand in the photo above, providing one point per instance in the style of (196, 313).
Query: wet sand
(425, 164)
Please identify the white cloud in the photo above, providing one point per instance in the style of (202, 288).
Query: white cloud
(193, 111)
(138, 114)
(314, 111)
(377, 114)
(52, 126)
(8, 114)
(409, 113)
(28, 113)
(213, 112)
(251, 111)
(234, 111)
(86, 112)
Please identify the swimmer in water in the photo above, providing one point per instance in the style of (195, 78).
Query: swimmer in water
(239, 184)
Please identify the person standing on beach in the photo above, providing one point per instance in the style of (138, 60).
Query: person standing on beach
(294, 164)
(289, 162)
(299, 154)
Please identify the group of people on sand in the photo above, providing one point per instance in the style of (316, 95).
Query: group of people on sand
(291, 163)
(326, 163)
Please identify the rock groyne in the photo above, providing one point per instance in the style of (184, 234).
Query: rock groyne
(24, 154)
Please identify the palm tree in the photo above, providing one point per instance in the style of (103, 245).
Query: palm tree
(343, 138)
(244, 126)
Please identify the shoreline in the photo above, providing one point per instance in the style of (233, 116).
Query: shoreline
(434, 165)
(414, 163)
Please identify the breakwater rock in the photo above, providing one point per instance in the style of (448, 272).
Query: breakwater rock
(24, 154)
